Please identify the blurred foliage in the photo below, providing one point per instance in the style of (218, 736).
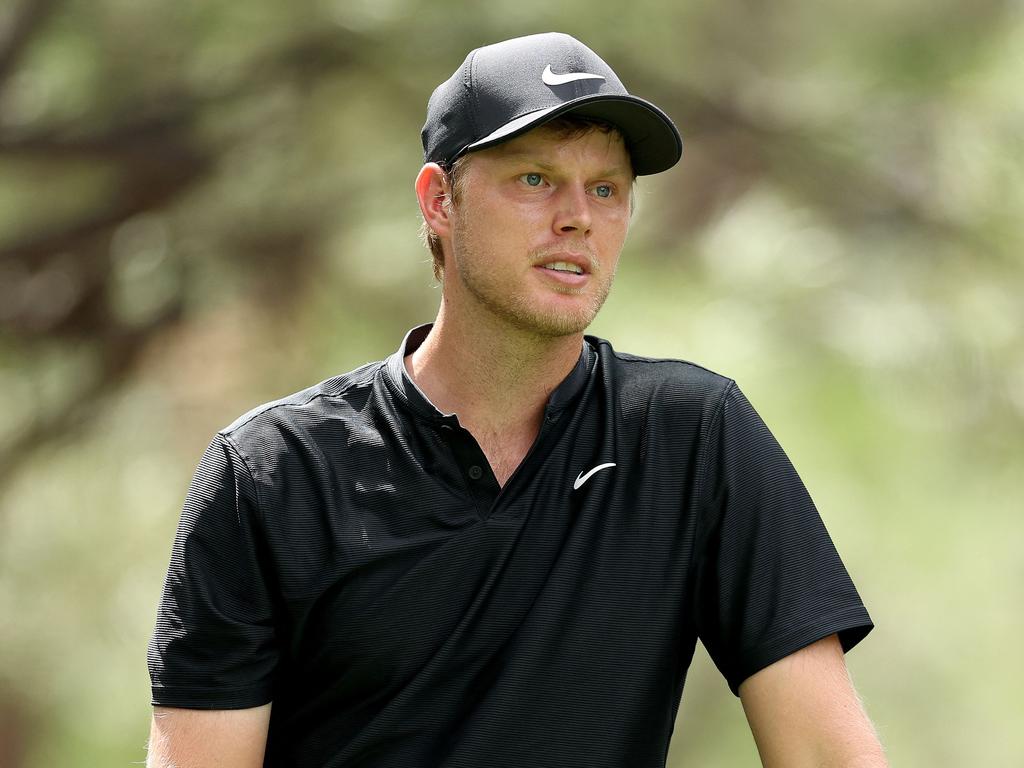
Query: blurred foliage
(205, 205)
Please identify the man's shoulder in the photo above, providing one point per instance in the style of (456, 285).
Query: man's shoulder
(661, 375)
(330, 399)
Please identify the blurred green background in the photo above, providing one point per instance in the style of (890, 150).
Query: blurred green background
(205, 205)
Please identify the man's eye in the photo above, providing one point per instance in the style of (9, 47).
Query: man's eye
(603, 190)
(533, 179)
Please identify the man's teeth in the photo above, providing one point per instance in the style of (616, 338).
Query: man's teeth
(564, 266)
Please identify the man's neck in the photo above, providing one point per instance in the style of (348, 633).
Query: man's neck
(496, 378)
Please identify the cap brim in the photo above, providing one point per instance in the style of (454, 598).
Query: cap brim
(652, 139)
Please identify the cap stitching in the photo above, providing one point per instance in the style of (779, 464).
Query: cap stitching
(576, 64)
(471, 84)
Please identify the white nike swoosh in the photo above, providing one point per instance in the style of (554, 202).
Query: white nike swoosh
(550, 78)
(583, 478)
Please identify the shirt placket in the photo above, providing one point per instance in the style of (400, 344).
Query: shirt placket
(472, 463)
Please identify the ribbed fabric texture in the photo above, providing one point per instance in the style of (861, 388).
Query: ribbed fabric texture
(347, 553)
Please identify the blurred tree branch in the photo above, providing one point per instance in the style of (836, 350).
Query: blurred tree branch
(157, 158)
(814, 168)
(25, 22)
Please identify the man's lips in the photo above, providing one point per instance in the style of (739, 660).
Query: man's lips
(562, 276)
(566, 263)
(584, 263)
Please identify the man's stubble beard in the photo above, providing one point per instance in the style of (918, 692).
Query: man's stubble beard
(516, 307)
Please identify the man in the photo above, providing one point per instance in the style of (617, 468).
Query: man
(499, 546)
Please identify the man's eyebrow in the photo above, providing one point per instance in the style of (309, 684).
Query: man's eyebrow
(616, 170)
(516, 156)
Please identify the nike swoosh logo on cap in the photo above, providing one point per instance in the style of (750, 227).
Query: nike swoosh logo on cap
(550, 78)
(581, 478)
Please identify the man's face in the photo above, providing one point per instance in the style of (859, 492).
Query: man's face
(537, 230)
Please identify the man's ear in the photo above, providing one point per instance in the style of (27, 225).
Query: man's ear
(432, 192)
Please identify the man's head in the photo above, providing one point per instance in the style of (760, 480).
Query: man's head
(547, 141)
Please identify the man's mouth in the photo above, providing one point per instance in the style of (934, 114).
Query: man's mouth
(564, 266)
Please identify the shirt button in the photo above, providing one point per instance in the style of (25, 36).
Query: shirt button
(475, 473)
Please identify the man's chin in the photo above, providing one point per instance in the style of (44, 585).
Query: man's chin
(555, 324)
(543, 314)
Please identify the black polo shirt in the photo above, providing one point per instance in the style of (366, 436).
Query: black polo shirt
(346, 553)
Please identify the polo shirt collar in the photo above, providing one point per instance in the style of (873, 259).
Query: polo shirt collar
(399, 381)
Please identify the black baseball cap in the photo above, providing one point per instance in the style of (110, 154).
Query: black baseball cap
(503, 90)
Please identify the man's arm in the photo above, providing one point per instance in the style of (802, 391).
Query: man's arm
(804, 712)
(208, 738)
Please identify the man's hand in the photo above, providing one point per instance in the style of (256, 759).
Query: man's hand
(804, 712)
(208, 738)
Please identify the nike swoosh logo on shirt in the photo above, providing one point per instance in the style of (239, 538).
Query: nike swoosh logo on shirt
(582, 478)
(550, 78)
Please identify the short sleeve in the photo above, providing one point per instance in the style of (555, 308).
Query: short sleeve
(214, 645)
(768, 579)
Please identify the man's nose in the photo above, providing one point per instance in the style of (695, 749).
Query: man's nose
(573, 214)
